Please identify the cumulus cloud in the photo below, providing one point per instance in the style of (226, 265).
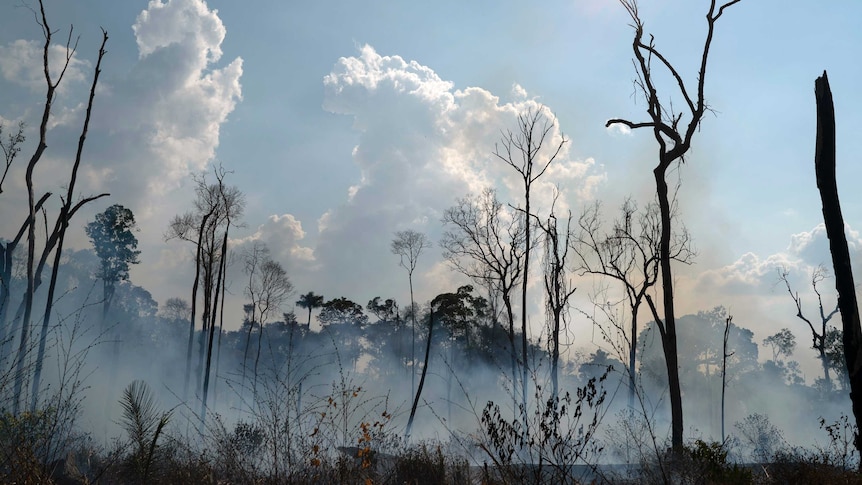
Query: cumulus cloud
(282, 234)
(422, 144)
(180, 22)
(176, 100)
(756, 274)
(518, 91)
(152, 125)
(619, 129)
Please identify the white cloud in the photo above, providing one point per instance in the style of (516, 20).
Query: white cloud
(752, 273)
(180, 101)
(21, 63)
(619, 129)
(422, 144)
(518, 91)
(282, 234)
(180, 22)
(154, 124)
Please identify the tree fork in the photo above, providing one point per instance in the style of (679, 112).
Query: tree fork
(824, 167)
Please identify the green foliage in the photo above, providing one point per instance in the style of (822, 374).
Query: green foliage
(23, 441)
(342, 311)
(114, 242)
(310, 301)
(143, 423)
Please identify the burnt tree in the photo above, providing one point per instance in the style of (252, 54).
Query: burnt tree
(824, 167)
(674, 138)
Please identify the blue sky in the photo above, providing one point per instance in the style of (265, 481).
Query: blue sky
(310, 102)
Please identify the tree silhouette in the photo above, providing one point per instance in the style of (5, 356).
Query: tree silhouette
(523, 151)
(848, 307)
(408, 245)
(674, 141)
(113, 238)
(558, 288)
(55, 238)
(310, 301)
(217, 208)
(485, 242)
(628, 253)
(341, 311)
(818, 337)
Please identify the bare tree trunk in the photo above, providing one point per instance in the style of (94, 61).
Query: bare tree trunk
(251, 274)
(818, 338)
(525, 364)
(824, 361)
(555, 359)
(218, 344)
(674, 142)
(824, 165)
(7, 334)
(257, 361)
(725, 355)
(510, 315)
(521, 151)
(245, 354)
(412, 335)
(31, 228)
(218, 289)
(557, 292)
(31, 251)
(633, 356)
(207, 315)
(669, 331)
(195, 285)
(421, 379)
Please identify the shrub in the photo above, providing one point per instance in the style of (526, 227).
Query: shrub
(705, 462)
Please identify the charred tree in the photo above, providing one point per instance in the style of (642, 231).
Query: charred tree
(674, 140)
(408, 245)
(728, 322)
(424, 373)
(824, 167)
(522, 150)
(818, 337)
(55, 239)
(558, 288)
(486, 243)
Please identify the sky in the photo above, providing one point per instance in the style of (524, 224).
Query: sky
(343, 122)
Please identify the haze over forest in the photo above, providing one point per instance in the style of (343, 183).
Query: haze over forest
(333, 130)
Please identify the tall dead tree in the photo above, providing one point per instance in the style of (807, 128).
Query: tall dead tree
(824, 167)
(558, 288)
(418, 394)
(408, 246)
(11, 148)
(523, 151)
(55, 239)
(728, 322)
(627, 253)
(674, 138)
(217, 208)
(485, 242)
(818, 337)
